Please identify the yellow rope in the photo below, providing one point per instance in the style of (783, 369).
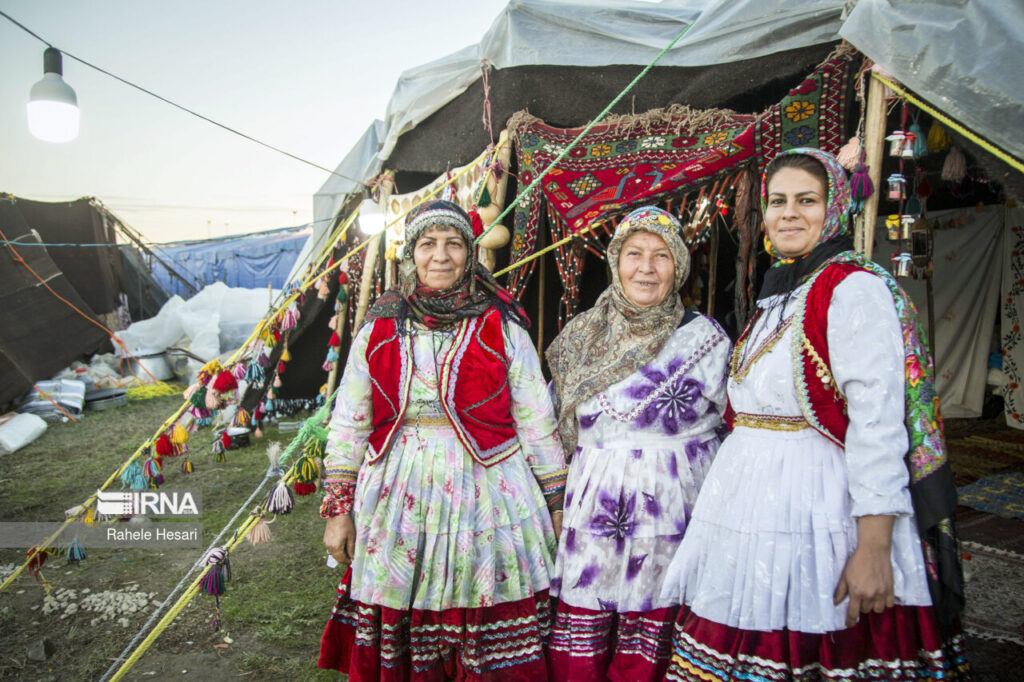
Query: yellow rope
(546, 249)
(186, 597)
(973, 137)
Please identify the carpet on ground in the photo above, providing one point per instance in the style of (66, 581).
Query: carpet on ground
(1000, 494)
(995, 593)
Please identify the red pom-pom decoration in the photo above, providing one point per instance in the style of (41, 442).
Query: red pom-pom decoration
(335, 341)
(164, 446)
(224, 382)
(225, 439)
(342, 278)
(303, 489)
(478, 223)
(277, 335)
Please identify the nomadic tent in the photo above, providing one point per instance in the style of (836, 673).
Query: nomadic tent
(59, 250)
(562, 62)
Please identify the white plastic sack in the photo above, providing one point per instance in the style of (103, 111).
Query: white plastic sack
(18, 432)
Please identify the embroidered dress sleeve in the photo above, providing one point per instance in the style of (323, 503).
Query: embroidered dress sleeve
(534, 416)
(714, 366)
(867, 357)
(348, 431)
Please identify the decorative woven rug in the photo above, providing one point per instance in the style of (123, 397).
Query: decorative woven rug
(646, 158)
(995, 593)
(1000, 494)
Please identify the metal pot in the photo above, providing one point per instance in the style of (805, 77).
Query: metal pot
(154, 362)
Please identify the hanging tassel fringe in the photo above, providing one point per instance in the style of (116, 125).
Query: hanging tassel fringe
(849, 154)
(954, 169)
(281, 500)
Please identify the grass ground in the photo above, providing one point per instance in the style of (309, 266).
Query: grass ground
(276, 603)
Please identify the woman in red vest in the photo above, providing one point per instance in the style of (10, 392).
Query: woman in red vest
(444, 476)
(640, 386)
(822, 545)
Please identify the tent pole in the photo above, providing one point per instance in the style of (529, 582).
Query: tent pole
(874, 141)
(369, 270)
(712, 268)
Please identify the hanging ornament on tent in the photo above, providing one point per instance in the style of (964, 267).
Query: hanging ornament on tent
(133, 478)
(954, 169)
(939, 138)
(215, 580)
(850, 154)
(260, 533)
(920, 144)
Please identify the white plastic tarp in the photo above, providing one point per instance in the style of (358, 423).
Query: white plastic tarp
(962, 56)
(217, 319)
(968, 273)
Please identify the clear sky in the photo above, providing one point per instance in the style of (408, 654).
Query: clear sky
(307, 76)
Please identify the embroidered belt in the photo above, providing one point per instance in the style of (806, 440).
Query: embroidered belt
(426, 420)
(770, 421)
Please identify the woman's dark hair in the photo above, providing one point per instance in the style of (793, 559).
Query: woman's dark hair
(802, 162)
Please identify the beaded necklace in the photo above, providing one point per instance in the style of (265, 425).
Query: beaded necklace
(740, 365)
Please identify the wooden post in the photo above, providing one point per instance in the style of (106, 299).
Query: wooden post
(712, 268)
(369, 270)
(874, 142)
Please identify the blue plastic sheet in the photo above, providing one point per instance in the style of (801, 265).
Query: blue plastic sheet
(251, 261)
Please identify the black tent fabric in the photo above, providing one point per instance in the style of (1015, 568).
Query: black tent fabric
(145, 297)
(41, 334)
(568, 96)
(95, 272)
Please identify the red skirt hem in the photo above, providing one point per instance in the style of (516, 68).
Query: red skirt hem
(588, 645)
(500, 643)
(901, 643)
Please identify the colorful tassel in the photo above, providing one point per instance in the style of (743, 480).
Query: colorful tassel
(954, 169)
(215, 581)
(225, 439)
(286, 356)
(849, 154)
(328, 364)
(187, 467)
(342, 295)
(332, 356)
(280, 367)
(179, 436)
(342, 278)
(333, 322)
(920, 141)
(164, 446)
(254, 375)
(224, 382)
(238, 372)
(274, 455)
(860, 188)
(257, 433)
(938, 137)
(260, 533)
(133, 478)
(151, 470)
(198, 397)
(190, 391)
(335, 340)
(212, 400)
(303, 489)
(74, 550)
(281, 500)
(277, 382)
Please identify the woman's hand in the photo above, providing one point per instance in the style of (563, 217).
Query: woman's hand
(340, 538)
(867, 576)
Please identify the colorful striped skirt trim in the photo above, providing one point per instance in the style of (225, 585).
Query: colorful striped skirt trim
(901, 643)
(496, 643)
(590, 645)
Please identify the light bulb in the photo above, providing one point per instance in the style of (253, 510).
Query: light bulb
(371, 218)
(53, 114)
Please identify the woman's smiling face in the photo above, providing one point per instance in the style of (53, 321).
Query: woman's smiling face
(795, 214)
(646, 269)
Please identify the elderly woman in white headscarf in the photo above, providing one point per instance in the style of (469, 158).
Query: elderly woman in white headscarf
(639, 385)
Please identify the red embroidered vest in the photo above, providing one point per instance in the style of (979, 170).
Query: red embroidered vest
(473, 387)
(822, 404)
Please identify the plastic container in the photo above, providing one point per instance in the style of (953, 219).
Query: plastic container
(18, 432)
